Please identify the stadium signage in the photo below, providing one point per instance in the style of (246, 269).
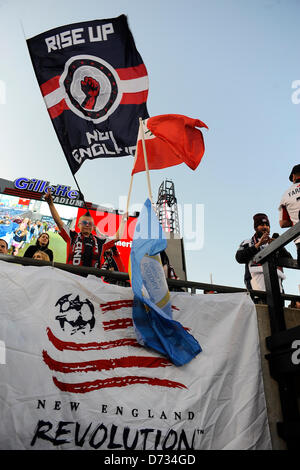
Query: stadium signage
(41, 186)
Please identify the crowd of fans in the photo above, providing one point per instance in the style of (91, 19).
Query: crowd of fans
(99, 251)
(19, 232)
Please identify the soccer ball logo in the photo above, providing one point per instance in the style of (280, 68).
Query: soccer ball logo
(75, 315)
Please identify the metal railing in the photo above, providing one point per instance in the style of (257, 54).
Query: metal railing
(281, 343)
(189, 286)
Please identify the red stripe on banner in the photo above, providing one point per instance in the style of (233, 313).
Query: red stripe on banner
(121, 324)
(115, 382)
(23, 192)
(134, 98)
(70, 346)
(59, 108)
(129, 73)
(50, 85)
(105, 364)
(115, 305)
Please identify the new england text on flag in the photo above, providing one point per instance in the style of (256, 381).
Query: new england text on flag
(95, 86)
(152, 312)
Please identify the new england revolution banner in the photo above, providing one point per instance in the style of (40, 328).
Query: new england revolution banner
(95, 87)
(73, 376)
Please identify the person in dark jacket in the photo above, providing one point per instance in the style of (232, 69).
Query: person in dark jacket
(169, 271)
(254, 277)
(42, 244)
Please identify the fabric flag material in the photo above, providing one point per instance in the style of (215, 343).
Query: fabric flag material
(73, 377)
(152, 313)
(95, 86)
(170, 139)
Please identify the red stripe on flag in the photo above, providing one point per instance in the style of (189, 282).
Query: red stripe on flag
(71, 346)
(105, 364)
(129, 73)
(50, 85)
(134, 98)
(59, 108)
(116, 305)
(121, 324)
(115, 382)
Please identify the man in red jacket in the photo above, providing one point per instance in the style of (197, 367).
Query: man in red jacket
(84, 248)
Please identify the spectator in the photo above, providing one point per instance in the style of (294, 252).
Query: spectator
(254, 277)
(290, 205)
(42, 244)
(31, 231)
(19, 238)
(3, 247)
(84, 248)
(113, 262)
(41, 255)
(294, 304)
(169, 271)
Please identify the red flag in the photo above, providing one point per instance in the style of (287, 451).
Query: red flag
(170, 139)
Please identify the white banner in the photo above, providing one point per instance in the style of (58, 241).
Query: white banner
(74, 376)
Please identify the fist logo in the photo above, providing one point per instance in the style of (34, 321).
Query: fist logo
(91, 89)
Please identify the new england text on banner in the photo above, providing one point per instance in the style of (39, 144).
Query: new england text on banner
(76, 378)
(95, 86)
(152, 313)
(170, 139)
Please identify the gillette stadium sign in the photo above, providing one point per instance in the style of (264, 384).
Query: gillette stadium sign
(62, 194)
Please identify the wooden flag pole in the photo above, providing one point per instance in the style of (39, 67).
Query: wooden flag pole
(129, 192)
(80, 192)
(146, 162)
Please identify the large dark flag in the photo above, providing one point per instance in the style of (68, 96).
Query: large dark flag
(95, 86)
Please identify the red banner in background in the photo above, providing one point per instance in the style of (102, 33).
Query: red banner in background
(108, 223)
(24, 202)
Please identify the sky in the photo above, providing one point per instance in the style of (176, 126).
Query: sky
(234, 64)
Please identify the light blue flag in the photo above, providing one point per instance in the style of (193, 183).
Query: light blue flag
(152, 311)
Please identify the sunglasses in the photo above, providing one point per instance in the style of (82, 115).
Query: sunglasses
(86, 223)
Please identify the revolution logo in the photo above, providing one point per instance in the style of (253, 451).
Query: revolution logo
(79, 319)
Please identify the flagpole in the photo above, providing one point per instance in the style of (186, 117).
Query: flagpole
(83, 198)
(146, 161)
(131, 179)
(76, 182)
(129, 192)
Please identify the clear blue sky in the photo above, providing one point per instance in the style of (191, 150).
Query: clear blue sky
(230, 63)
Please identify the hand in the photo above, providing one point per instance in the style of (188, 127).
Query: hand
(48, 197)
(91, 89)
(263, 240)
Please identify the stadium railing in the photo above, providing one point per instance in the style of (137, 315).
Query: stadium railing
(284, 364)
(280, 343)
